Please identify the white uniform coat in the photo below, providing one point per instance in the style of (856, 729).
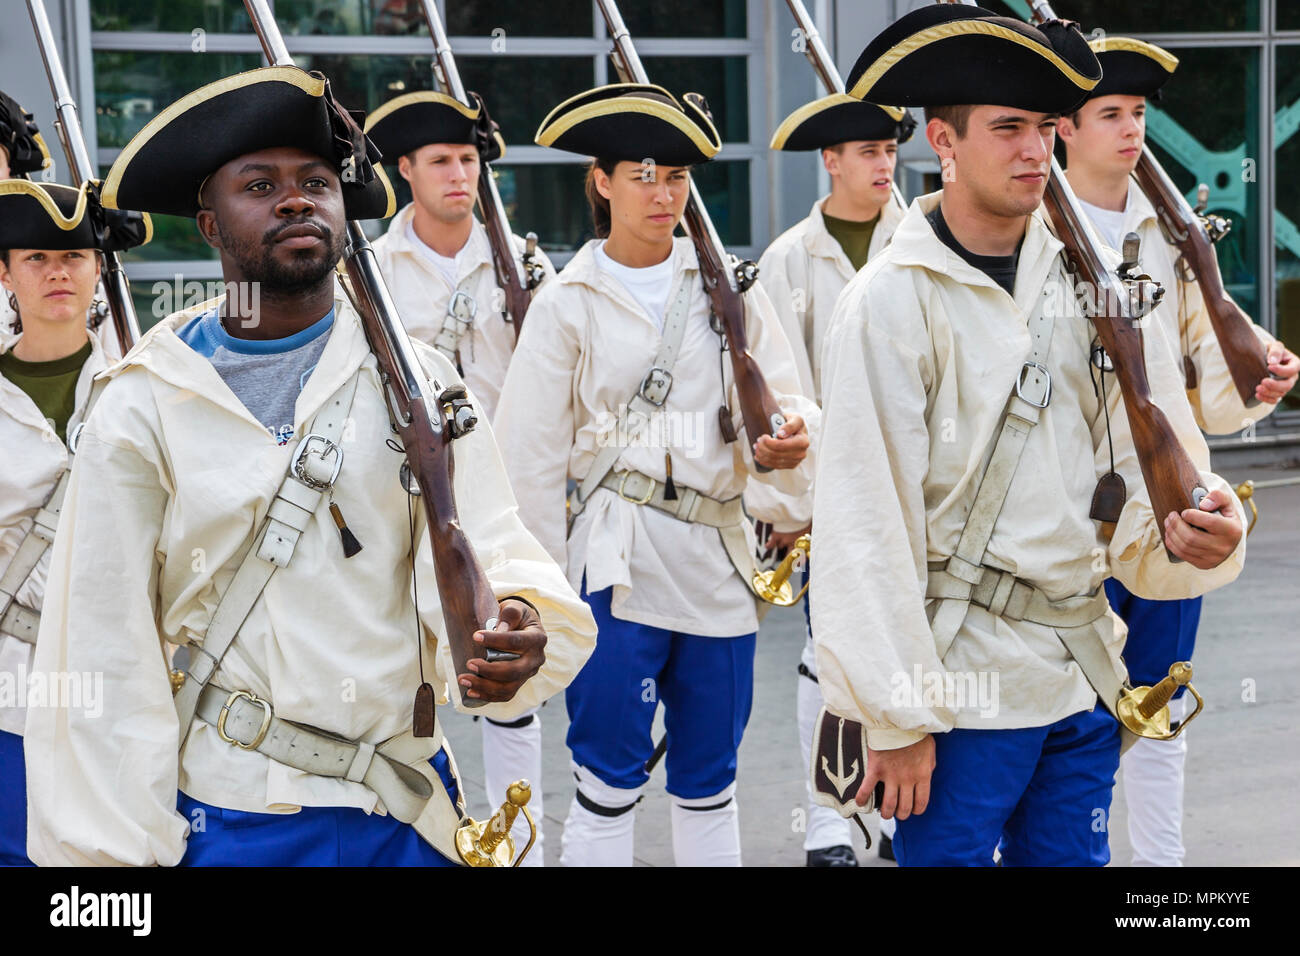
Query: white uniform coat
(422, 294)
(174, 476)
(33, 461)
(922, 354)
(586, 347)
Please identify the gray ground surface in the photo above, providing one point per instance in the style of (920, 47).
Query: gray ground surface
(1243, 769)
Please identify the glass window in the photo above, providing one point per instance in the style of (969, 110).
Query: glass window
(131, 87)
(1206, 130)
(686, 18)
(555, 18)
(174, 16)
(1286, 222)
(722, 81)
(1288, 15)
(350, 17)
(1125, 16)
(520, 91)
(724, 187)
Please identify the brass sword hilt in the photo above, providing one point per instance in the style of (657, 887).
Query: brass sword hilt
(1145, 710)
(774, 586)
(1246, 495)
(489, 844)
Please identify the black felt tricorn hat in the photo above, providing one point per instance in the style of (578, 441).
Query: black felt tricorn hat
(21, 139)
(1131, 67)
(407, 122)
(51, 216)
(839, 118)
(955, 55)
(633, 121)
(165, 164)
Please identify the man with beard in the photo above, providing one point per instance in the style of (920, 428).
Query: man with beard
(240, 470)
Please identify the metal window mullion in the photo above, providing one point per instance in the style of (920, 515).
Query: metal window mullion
(756, 97)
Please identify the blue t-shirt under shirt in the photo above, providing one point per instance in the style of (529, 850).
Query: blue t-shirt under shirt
(265, 374)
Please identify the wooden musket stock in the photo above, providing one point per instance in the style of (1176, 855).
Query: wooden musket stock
(424, 425)
(117, 290)
(758, 406)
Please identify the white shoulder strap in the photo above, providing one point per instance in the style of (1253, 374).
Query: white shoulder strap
(314, 468)
(650, 395)
(1032, 393)
(461, 311)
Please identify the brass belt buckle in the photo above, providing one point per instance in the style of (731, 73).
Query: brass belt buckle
(261, 731)
(650, 491)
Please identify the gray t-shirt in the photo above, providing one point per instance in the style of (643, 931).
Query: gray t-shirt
(265, 374)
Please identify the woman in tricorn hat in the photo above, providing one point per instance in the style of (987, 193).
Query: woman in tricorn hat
(619, 360)
(50, 237)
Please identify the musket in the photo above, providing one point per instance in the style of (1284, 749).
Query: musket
(426, 426)
(1115, 303)
(517, 284)
(820, 59)
(1195, 235)
(724, 282)
(117, 290)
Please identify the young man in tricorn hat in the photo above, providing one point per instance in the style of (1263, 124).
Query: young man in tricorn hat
(804, 271)
(437, 260)
(239, 469)
(978, 577)
(1103, 142)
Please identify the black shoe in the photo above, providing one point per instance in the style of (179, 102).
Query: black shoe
(886, 848)
(832, 856)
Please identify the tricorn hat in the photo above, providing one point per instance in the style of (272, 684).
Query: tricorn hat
(955, 55)
(407, 122)
(1131, 67)
(163, 167)
(839, 118)
(21, 139)
(633, 121)
(50, 216)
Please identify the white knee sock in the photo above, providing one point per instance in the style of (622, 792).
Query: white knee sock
(1152, 777)
(510, 754)
(707, 837)
(825, 827)
(595, 838)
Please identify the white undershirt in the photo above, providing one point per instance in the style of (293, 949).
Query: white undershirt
(445, 266)
(1108, 223)
(649, 286)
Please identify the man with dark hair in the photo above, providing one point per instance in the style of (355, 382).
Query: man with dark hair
(979, 571)
(239, 466)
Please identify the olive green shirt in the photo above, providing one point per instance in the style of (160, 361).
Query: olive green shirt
(854, 237)
(51, 385)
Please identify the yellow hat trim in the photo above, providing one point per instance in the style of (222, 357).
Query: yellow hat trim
(1131, 45)
(809, 110)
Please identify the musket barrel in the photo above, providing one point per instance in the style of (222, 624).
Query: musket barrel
(442, 52)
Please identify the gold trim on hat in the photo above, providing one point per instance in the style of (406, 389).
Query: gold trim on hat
(809, 110)
(388, 191)
(946, 31)
(292, 75)
(564, 106)
(421, 96)
(25, 187)
(1163, 57)
(45, 150)
(551, 130)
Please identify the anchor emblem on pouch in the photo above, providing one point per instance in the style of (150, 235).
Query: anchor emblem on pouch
(840, 781)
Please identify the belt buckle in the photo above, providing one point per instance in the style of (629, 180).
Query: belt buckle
(656, 385)
(261, 731)
(327, 448)
(650, 491)
(1047, 390)
(462, 307)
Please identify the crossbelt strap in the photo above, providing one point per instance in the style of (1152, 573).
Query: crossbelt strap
(650, 395)
(459, 318)
(1032, 392)
(16, 620)
(288, 517)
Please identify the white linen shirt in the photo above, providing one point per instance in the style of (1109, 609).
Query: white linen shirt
(585, 349)
(922, 354)
(804, 271)
(421, 293)
(33, 461)
(173, 479)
